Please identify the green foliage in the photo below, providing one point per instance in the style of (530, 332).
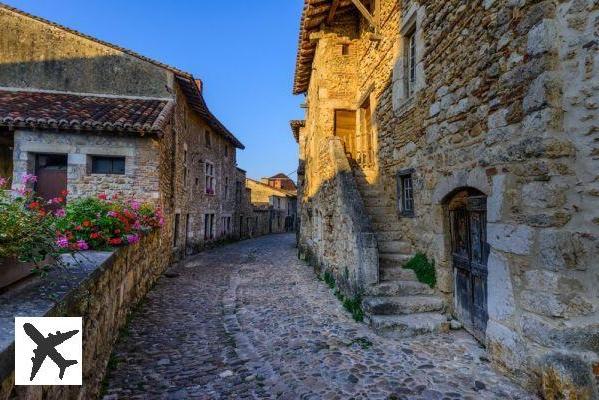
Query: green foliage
(26, 230)
(424, 269)
(354, 306)
(329, 279)
(363, 342)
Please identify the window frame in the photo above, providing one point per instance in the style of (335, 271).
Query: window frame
(405, 193)
(95, 158)
(411, 60)
(210, 180)
(209, 226)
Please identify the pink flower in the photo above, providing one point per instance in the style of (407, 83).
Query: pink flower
(135, 205)
(23, 191)
(62, 242)
(132, 239)
(3, 181)
(137, 225)
(28, 178)
(112, 214)
(82, 245)
(60, 213)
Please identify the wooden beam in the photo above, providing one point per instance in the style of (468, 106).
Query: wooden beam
(332, 11)
(365, 12)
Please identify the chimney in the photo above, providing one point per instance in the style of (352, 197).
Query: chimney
(200, 85)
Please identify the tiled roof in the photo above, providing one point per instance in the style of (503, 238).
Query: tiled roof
(185, 79)
(55, 110)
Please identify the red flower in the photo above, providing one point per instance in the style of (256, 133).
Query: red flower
(64, 193)
(115, 241)
(102, 196)
(34, 205)
(78, 228)
(87, 223)
(95, 235)
(117, 231)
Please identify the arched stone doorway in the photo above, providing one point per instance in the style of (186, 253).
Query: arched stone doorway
(469, 254)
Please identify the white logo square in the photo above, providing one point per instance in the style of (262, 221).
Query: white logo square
(48, 351)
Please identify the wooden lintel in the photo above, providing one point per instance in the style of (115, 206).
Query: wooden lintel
(332, 11)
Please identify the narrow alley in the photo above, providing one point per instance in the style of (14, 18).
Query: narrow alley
(249, 320)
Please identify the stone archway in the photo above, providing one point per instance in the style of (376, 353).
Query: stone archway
(467, 227)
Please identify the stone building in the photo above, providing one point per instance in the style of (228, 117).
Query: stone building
(278, 194)
(91, 117)
(466, 131)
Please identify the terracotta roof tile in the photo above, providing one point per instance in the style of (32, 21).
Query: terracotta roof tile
(54, 110)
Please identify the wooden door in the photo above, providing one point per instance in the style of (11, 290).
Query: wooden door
(470, 253)
(51, 171)
(345, 129)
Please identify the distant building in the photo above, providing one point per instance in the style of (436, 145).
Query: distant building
(279, 195)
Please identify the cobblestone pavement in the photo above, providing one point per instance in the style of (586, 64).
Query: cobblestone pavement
(249, 320)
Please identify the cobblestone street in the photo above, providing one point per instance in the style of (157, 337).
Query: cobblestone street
(249, 320)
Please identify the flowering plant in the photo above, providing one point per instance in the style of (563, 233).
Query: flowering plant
(26, 227)
(98, 223)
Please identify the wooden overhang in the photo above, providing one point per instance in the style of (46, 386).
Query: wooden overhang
(315, 15)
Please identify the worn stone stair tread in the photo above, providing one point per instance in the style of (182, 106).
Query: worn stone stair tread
(397, 257)
(399, 288)
(390, 305)
(396, 272)
(394, 246)
(401, 326)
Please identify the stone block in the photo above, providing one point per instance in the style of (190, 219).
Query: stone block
(496, 200)
(567, 376)
(542, 37)
(501, 305)
(555, 305)
(543, 194)
(562, 250)
(516, 239)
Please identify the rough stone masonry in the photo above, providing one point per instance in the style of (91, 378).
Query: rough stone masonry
(494, 99)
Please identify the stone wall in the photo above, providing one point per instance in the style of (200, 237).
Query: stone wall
(335, 232)
(505, 103)
(191, 152)
(104, 298)
(53, 58)
(142, 162)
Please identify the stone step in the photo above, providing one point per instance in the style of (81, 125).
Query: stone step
(396, 273)
(393, 305)
(382, 236)
(394, 246)
(399, 288)
(402, 326)
(393, 258)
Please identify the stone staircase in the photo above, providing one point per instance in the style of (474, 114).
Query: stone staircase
(398, 306)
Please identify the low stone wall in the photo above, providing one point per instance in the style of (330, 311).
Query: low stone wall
(335, 233)
(103, 289)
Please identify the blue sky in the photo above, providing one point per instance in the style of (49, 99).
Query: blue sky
(244, 51)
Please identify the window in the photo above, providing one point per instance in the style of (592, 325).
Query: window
(226, 226)
(226, 194)
(405, 188)
(410, 62)
(176, 231)
(208, 226)
(207, 138)
(238, 191)
(108, 165)
(209, 178)
(345, 49)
